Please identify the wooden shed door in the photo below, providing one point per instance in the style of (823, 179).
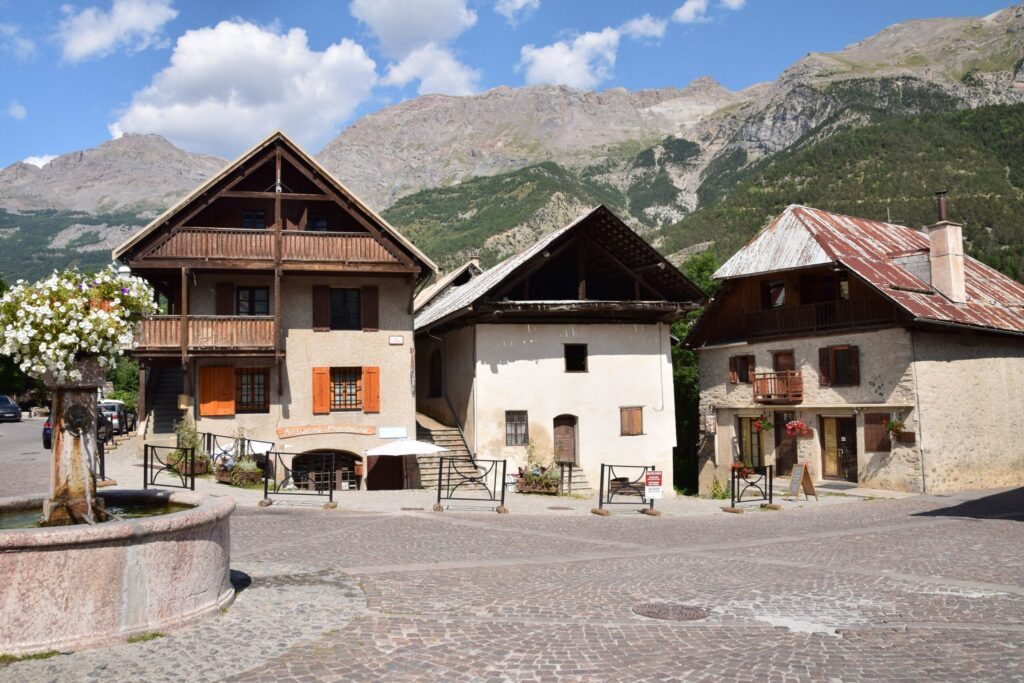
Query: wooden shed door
(565, 439)
(785, 445)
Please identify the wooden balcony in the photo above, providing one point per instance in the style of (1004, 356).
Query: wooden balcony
(785, 387)
(815, 318)
(161, 334)
(333, 246)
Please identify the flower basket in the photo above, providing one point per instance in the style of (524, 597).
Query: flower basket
(742, 470)
(763, 424)
(798, 428)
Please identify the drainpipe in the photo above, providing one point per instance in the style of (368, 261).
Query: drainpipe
(661, 371)
(917, 401)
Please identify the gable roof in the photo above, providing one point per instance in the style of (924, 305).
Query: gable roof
(458, 300)
(877, 252)
(433, 290)
(273, 138)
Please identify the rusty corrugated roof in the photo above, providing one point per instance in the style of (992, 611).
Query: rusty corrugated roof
(802, 237)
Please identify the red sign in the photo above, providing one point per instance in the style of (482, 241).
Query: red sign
(653, 478)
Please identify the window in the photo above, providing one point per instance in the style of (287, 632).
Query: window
(254, 220)
(252, 390)
(843, 280)
(741, 369)
(436, 375)
(575, 357)
(631, 421)
(876, 437)
(317, 223)
(749, 442)
(252, 301)
(345, 309)
(839, 366)
(346, 388)
(773, 294)
(516, 433)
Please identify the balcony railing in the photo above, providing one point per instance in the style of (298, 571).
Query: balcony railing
(786, 386)
(258, 245)
(207, 333)
(830, 315)
(332, 246)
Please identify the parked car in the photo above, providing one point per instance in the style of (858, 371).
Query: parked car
(9, 410)
(104, 430)
(47, 435)
(114, 411)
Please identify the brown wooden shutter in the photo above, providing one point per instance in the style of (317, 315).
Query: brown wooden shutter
(371, 390)
(321, 391)
(321, 307)
(371, 309)
(225, 304)
(876, 438)
(751, 367)
(825, 366)
(854, 366)
(624, 421)
(637, 420)
(216, 391)
(733, 377)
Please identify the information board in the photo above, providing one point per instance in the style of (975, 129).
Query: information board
(652, 484)
(799, 478)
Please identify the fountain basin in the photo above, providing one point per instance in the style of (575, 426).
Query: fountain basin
(73, 587)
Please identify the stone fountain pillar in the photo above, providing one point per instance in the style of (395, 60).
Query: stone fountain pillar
(72, 488)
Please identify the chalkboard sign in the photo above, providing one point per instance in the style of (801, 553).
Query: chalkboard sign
(799, 478)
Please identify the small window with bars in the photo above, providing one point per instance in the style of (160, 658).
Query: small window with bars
(346, 388)
(631, 421)
(516, 432)
(252, 390)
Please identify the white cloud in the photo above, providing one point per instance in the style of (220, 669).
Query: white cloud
(583, 62)
(437, 69)
(733, 4)
(134, 24)
(515, 10)
(40, 160)
(21, 47)
(402, 26)
(16, 110)
(645, 27)
(230, 84)
(691, 12)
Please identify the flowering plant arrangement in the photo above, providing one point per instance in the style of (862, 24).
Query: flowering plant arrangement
(798, 428)
(894, 426)
(742, 470)
(763, 424)
(48, 324)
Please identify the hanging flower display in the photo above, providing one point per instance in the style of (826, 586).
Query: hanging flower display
(742, 470)
(798, 428)
(763, 424)
(47, 325)
(894, 427)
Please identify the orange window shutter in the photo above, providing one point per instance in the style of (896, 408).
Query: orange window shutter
(321, 391)
(207, 381)
(226, 390)
(216, 391)
(371, 390)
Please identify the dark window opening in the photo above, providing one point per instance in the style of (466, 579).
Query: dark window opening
(436, 375)
(843, 280)
(839, 366)
(317, 223)
(575, 357)
(773, 294)
(741, 369)
(749, 442)
(252, 301)
(516, 433)
(254, 220)
(346, 388)
(345, 309)
(252, 390)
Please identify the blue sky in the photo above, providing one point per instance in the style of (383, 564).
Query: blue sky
(215, 76)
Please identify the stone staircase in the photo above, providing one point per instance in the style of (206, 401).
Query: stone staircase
(580, 485)
(429, 431)
(167, 384)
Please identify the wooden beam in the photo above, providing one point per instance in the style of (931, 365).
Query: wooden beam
(285, 196)
(629, 271)
(277, 314)
(184, 316)
(546, 258)
(141, 402)
(581, 271)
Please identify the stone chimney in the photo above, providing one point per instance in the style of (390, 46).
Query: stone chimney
(946, 255)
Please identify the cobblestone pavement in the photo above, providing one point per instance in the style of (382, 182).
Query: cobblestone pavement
(923, 588)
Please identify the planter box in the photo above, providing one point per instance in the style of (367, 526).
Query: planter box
(222, 475)
(523, 487)
(198, 467)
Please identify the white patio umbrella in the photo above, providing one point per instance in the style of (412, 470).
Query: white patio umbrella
(406, 447)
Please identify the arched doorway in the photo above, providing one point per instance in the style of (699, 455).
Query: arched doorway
(312, 467)
(566, 447)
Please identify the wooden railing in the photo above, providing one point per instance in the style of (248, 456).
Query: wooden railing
(786, 386)
(811, 318)
(249, 245)
(332, 246)
(207, 332)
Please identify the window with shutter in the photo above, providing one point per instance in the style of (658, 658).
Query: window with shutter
(631, 421)
(876, 438)
(733, 376)
(321, 391)
(741, 369)
(346, 388)
(252, 390)
(216, 391)
(345, 309)
(839, 366)
(371, 309)
(371, 390)
(825, 366)
(321, 308)
(854, 360)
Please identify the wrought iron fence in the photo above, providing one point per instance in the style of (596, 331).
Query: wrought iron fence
(317, 476)
(224, 449)
(618, 481)
(747, 478)
(484, 484)
(169, 467)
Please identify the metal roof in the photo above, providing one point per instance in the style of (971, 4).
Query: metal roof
(435, 289)
(629, 247)
(803, 237)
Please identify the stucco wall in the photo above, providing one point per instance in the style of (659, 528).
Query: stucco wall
(458, 354)
(886, 386)
(522, 367)
(305, 349)
(972, 410)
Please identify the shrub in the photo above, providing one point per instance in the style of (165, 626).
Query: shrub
(246, 474)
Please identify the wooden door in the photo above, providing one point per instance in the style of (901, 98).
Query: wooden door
(565, 439)
(830, 448)
(846, 429)
(783, 360)
(785, 445)
(385, 473)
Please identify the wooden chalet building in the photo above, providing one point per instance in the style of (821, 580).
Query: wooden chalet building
(847, 324)
(562, 350)
(289, 311)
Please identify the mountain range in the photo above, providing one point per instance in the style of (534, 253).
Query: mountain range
(487, 173)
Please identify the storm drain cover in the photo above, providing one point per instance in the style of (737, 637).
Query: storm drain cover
(667, 610)
(558, 507)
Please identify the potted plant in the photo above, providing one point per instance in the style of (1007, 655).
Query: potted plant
(763, 424)
(538, 480)
(246, 474)
(798, 428)
(895, 428)
(200, 463)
